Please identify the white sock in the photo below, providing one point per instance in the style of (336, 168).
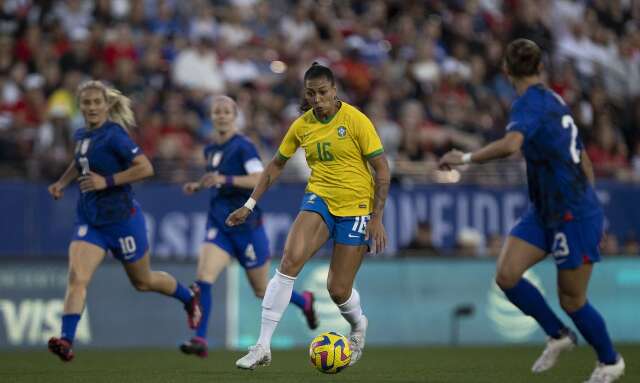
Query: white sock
(351, 309)
(275, 301)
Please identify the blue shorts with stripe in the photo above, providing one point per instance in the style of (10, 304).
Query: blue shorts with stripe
(126, 240)
(343, 230)
(572, 244)
(250, 247)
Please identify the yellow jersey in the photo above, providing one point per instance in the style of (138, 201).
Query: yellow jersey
(337, 151)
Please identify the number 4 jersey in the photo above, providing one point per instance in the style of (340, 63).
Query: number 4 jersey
(558, 187)
(337, 151)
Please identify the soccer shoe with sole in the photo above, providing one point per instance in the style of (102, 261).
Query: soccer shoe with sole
(553, 350)
(193, 308)
(607, 373)
(62, 348)
(257, 356)
(309, 311)
(195, 346)
(356, 340)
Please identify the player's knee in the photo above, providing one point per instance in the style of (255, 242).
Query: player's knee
(141, 285)
(506, 278)
(339, 293)
(78, 280)
(289, 265)
(571, 303)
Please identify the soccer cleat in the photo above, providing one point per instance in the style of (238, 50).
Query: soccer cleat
(195, 346)
(356, 340)
(607, 373)
(62, 348)
(309, 311)
(553, 350)
(193, 308)
(257, 356)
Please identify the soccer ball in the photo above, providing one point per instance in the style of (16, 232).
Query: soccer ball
(329, 352)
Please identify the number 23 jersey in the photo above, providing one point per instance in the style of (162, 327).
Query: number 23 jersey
(558, 187)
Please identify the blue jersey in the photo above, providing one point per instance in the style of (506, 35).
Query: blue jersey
(106, 150)
(558, 187)
(236, 157)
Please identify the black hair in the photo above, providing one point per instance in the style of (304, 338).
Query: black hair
(316, 71)
(523, 58)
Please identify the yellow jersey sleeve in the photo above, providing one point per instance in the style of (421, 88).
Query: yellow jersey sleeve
(367, 137)
(291, 141)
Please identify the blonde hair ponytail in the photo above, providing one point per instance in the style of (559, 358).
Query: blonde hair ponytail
(119, 105)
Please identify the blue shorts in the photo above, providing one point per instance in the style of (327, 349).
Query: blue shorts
(127, 240)
(249, 247)
(572, 244)
(343, 230)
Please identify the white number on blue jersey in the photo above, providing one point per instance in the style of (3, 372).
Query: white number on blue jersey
(360, 224)
(127, 245)
(560, 246)
(567, 122)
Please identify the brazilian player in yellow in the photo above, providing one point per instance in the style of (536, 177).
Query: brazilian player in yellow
(342, 201)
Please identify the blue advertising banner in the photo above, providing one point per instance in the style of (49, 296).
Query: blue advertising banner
(32, 299)
(435, 301)
(35, 225)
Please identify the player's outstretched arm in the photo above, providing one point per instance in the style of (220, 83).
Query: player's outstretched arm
(140, 169)
(56, 189)
(375, 228)
(504, 147)
(267, 178)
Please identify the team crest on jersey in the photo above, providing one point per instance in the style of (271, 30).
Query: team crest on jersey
(211, 233)
(215, 159)
(342, 131)
(82, 230)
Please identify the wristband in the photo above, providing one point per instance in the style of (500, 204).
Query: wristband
(466, 158)
(250, 204)
(228, 180)
(110, 181)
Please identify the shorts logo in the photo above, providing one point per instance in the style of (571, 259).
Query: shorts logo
(353, 236)
(127, 257)
(82, 230)
(342, 131)
(312, 198)
(211, 233)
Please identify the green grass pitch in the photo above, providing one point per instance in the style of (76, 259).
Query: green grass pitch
(420, 364)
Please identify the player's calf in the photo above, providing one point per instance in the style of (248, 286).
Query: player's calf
(193, 308)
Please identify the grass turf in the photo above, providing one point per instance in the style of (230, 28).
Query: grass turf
(424, 364)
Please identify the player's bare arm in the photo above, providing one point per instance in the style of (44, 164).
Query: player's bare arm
(587, 167)
(504, 147)
(375, 228)
(56, 189)
(140, 169)
(266, 179)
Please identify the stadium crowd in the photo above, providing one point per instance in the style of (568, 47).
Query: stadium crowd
(428, 73)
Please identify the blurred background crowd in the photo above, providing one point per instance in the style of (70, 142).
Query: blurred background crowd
(428, 74)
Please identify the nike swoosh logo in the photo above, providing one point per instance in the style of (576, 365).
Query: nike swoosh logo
(134, 151)
(353, 236)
